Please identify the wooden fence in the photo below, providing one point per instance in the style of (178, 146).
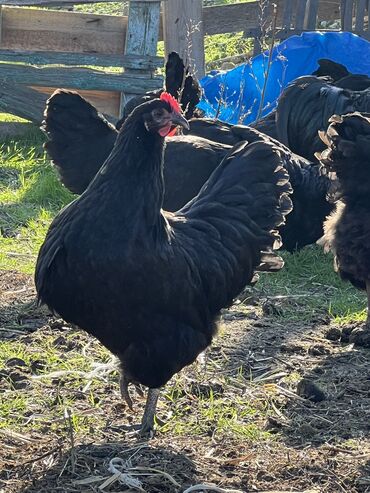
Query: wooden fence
(57, 48)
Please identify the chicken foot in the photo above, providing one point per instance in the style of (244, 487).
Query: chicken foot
(147, 422)
(361, 336)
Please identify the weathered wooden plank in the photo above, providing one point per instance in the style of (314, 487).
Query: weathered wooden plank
(346, 14)
(49, 3)
(77, 78)
(183, 32)
(360, 14)
(300, 13)
(61, 20)
(22, 101)
(1, 22)
(310, 17)
(245, 16)
(143, 28)
(141, 36)
(65, 58)
(47, 30)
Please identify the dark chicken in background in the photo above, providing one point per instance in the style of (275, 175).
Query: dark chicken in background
(150, 284)
(340, 76)
(347, 230)
(304, 109)
(179, 82)
(80, 140)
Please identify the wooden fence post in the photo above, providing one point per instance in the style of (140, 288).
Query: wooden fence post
(183, 32)
(141, 36)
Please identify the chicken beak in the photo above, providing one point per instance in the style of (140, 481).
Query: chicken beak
(179, 120)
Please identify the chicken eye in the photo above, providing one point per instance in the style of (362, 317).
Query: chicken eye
(157, 114)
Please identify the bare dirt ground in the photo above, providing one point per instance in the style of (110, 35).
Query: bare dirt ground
(285, 442)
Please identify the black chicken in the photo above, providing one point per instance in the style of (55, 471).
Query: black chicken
(179, 82)
(305, 107)
(347, 230)
(150, 284)
(340, 76)
(332, 72)
(329, 68)
(79, 145)
(80, 140)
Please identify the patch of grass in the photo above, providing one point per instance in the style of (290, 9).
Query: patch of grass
(6, 117)
(114, 8)
(225, 45)
(211, 413)
(64, 365)
(30, 196)
(310, 287)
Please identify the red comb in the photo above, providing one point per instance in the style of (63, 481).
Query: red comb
(165, 96)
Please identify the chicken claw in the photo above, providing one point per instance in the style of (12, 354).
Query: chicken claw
(123, 385)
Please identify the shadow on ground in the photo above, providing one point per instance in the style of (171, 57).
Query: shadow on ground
(85, 468)
(282, 353)
(19, 313)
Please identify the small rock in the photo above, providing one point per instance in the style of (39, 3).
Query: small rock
(318, 350)
(38, 365)
(346, 333)
(292, 348)
(333, 334)
(15, 362)
(307, 431)
(206, 389)
(18, 380)
(269, 308)
(360, 337)
(309, 390)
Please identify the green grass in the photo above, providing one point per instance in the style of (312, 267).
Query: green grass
(47, 396)
(312, 288)
(30, 195)
(225, 45)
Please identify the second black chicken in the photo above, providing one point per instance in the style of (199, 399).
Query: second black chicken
(80, 139)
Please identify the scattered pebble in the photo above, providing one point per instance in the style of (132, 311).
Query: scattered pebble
(360, 337)
(15, 362)
(334, 334)
(309, 390)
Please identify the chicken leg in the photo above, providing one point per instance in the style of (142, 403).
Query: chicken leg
(361, 336)
(147, 422)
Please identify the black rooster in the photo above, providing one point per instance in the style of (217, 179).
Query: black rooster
(305, 107)
(150, 284)
(347, 230)
(179, 82)
(79, 145)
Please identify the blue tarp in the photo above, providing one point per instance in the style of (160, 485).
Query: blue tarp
(240, 89)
